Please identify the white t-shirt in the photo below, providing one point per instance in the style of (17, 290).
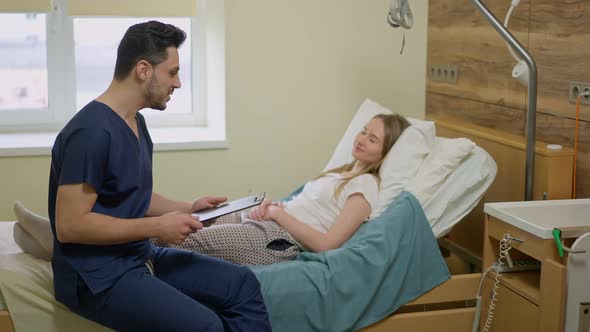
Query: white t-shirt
(316, 205)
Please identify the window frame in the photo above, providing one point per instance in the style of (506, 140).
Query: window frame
(61, 76)
(45, 118)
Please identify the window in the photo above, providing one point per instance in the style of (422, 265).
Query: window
(23, 71)
(55, 62)
(96, 54)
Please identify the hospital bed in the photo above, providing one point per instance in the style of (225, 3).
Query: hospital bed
(445, 307)
(450, 306)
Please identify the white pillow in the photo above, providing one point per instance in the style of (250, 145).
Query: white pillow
(440, 163)
(461, 191)
(368, 109)
(452, 198)
(403, 160)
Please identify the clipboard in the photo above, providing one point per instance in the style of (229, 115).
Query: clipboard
(229, 207)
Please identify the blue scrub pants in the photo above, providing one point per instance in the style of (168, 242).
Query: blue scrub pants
(188, 292)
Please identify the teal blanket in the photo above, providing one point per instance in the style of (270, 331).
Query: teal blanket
(390, 261)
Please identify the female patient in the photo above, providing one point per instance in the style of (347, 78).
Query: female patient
(326, 213)
(323, 216)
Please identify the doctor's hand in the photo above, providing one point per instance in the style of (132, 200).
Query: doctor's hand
(265, 211)
(174, 227)
(206, 202)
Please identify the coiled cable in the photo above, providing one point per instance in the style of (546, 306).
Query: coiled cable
(505, 246)
(400, 14)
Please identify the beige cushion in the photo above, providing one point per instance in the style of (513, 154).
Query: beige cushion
(440, 163)
(28, 244)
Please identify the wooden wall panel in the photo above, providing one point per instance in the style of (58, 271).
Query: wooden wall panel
(559, 43)
(557, 32)
(485, 93)
(480, 113)
(459, 35)
(550, 128)
(560, 130)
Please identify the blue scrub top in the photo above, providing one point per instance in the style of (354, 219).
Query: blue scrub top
(97, 147)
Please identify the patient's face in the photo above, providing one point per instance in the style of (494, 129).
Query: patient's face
(368, 145)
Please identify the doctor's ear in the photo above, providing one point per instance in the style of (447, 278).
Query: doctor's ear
(143, 69)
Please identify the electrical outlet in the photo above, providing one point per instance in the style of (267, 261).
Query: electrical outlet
(444, 73)
(577, 88)
(584, 317)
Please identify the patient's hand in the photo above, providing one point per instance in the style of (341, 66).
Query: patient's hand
(264, 210)
(206, 202)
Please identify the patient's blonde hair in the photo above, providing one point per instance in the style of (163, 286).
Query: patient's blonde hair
(393, 127)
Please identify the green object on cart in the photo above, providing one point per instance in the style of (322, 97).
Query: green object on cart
(557, 237)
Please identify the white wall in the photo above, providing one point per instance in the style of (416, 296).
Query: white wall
(297, 70)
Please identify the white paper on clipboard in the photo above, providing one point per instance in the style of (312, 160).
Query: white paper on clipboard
(229, 207)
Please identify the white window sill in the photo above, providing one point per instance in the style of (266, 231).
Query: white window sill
(165, 139)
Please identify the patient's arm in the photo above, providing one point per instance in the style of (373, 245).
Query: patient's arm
(355, 211)
(76, 223)
(160, 205)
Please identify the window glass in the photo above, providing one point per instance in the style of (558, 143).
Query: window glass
(23, 69)
(96, 54)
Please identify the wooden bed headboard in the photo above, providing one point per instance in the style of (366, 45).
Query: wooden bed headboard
(552, 178)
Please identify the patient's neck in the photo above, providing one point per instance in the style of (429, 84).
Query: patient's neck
(358, 166)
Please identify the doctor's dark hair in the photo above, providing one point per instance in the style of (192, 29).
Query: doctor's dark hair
(393, 127)
(146, 41)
